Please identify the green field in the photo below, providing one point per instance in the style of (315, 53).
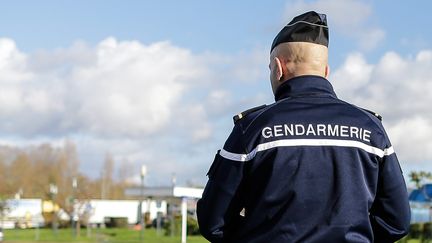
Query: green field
(95, 235)
(102, 236)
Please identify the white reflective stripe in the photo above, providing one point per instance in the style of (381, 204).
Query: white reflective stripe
(233, 156)
(305, 22)
(306, 142)
(388, 151)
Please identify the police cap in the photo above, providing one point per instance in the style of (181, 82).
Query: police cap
(308, 27)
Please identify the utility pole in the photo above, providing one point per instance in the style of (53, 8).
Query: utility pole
(53, 192)
(75, 225)
(143, 173)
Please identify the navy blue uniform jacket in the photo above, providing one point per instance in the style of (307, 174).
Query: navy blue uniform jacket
(307, 168)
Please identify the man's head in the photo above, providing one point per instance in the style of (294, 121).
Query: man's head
(300, 48)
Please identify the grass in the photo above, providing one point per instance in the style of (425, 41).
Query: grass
(100, 236)
(95, 235)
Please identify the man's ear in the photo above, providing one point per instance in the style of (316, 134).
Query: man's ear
(327, 71)
(278, 68)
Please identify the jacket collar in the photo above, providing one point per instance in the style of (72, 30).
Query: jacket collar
(306, 85)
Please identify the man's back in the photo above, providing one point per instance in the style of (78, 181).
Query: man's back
(312, 166)
(309, 167)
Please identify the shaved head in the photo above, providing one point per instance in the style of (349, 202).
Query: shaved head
(292, 59)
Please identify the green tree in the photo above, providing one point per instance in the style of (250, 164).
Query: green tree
(4, 208)
(420, 177)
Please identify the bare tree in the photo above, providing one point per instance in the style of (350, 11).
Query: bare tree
(107, 176)
(420, 177)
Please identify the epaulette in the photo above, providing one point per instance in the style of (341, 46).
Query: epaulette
(373, 113)
(238, 117)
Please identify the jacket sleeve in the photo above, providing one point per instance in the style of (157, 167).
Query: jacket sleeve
(390, 213)
(219, 208)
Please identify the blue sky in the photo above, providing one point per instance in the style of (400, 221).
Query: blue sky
(222, 26)
(157, 82)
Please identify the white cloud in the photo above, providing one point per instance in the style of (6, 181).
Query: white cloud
(157, 104)
(218, 100)
(347, 17)
(132, 89)
(411, 137)
(122, 97)
(124, 89)
(250, 67)
(169, 108)
(344, 14)
(353, 74)
(13, 63)
(398, 88)
(370, 38)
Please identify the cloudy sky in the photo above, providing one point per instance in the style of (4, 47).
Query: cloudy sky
(157, 82)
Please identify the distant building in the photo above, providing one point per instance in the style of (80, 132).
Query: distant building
(28, 213)
(23, 213)
(421, 204)
(101, 209)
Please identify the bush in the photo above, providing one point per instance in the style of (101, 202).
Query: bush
(427, 231)
(415, 231)
(116, 222)
(192, 226)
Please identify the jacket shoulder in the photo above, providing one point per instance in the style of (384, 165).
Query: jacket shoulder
(245, 113)
(373, 113)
